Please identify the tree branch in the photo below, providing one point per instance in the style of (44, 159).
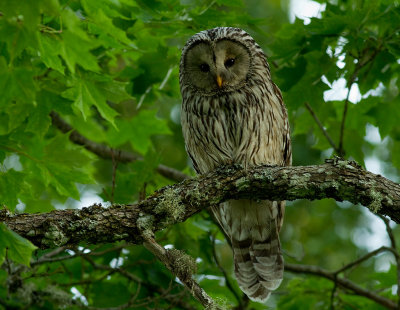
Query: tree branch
(182, 266)
(327, 136)
(341, 282)
(132, 277)
(393, 249)
(337, 179)
(106, 152)
(346, 104)
(362, 60)
(228, 283)
(365, 257)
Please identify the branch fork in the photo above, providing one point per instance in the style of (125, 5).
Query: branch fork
(181, 265)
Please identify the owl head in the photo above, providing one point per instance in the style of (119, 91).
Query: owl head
(220, 60)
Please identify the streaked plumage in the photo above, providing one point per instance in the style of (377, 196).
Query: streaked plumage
(232, 112)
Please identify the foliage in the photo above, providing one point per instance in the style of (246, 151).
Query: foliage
(110, 69)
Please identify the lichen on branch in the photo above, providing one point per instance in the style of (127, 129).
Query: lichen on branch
(337, 179)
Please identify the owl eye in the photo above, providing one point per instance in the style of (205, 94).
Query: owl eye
(229, 62)
(204, 67)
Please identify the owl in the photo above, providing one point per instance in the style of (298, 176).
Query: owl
(232, 113)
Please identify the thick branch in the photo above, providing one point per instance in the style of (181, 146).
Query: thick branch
(340, 180)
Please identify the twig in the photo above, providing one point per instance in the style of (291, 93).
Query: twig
(162, 293)
(394, 250)
(183, 274)
(105, 152)
(166, 78)
(341, 282)
(101, 253)
(227, 281)
(54, 252)
(115, 161)
(389, 231)
(365, 257)
(142, 97)
(359, 261)
(148, 89)
(49, 257)
(121, 271)
(327, 136)
(346, 104)
(53, 260)
(142, 193)
(88, 281)
(333, 293)
(362, 60)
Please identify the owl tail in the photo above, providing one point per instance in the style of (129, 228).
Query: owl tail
(254, 231)
(258, 266)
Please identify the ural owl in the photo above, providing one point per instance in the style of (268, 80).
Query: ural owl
(232, 113)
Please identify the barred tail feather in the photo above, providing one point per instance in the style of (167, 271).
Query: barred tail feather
(258, 268)
(254, 231)
(269, 266)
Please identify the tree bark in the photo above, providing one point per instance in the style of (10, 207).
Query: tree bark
(337, 179)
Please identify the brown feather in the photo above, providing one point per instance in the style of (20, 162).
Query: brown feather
(245, 122)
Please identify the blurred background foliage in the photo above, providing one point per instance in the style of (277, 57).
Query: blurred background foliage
(110, 68)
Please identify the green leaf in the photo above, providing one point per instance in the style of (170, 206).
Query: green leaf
(37, 205)
(292, 75)
(18, 249)
(11, 183)
(39, 120)
(76, 45)
(131, 182)
(17, 37)
(27, 12)
(63, 165)
(138, 131)
(76, 50)
(331, 25)
(395, 154)
(85, 94)
(16, 83)
(101, 14)
(143, 126)
(51, 51)
(386, 122)
(104, 293)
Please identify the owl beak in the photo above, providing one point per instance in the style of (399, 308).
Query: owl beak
(219, 81)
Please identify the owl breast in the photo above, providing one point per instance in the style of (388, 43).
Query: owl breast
(233, 128)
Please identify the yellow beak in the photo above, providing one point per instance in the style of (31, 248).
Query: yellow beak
(219, 81)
